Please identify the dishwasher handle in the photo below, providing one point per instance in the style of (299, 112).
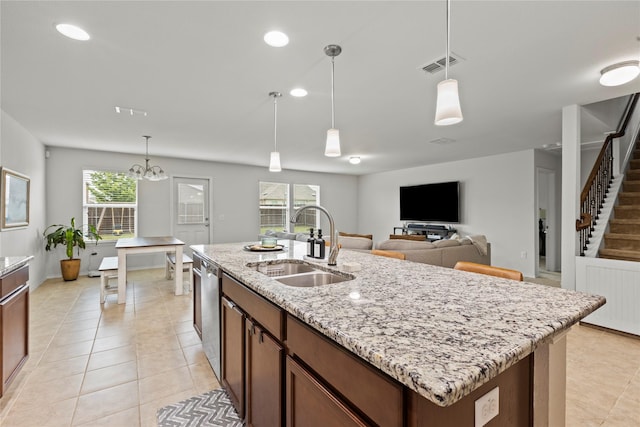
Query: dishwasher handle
(211, 269)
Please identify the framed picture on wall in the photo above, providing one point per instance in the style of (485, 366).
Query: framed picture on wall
(14, 202)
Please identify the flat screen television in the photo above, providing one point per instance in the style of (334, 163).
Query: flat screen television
(439, 202)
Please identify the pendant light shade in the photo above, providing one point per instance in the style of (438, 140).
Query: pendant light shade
(332, 147)
(448, 111)
(274, 161)
(274, 164)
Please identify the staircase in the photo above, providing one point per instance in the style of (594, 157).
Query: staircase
(623, 239)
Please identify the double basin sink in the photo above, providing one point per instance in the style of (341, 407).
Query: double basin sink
(300, 275)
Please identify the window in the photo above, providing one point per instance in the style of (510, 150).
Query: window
(275, 206)
(191, 201)
(306, 195)
(110, 203)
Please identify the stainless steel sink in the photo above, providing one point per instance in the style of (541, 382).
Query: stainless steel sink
(283, 269)
(299, 274)
(307, 280)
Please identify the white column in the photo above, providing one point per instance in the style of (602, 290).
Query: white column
(570, 193)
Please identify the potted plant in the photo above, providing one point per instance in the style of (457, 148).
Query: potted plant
(70, 236)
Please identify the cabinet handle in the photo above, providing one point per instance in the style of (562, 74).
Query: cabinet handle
(260, 338)
(229, 304)
(19, 291)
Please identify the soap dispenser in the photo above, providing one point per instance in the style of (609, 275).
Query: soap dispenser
(319, 246)
(311, 244)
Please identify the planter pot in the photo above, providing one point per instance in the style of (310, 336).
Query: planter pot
(70, 269)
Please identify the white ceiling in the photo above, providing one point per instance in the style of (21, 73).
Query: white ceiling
(203, 73)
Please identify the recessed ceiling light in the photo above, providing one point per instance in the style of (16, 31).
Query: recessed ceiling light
(276, 39)
(354, 160)
(130, 111)
(298, 92)
(73, 32)
(620, 73)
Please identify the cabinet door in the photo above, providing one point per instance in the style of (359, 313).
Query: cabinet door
(233, 354)
(264, 378)
(14, 342)
(310, 404)
(197, 301)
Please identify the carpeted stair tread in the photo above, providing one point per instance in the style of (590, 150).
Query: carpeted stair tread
(621, 254)
(623, 236)
(634, 164)
(627, 212)
(631, 186)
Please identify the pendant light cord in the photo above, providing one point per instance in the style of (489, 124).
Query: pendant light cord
(446, 68)
(333, 115)
(275, 123)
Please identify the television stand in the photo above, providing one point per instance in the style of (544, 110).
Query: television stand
(431, 232)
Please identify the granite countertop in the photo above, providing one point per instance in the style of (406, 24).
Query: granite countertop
(10, 263)
(439, 331)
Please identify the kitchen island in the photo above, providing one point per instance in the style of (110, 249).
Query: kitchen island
(445, 337)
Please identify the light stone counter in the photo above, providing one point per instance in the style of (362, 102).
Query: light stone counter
(10, 263)
(439, 331)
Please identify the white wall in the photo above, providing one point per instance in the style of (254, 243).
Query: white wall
(234, 189)
(22, 152)
(497, 200)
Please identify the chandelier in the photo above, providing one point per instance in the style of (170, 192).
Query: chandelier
(151, 173)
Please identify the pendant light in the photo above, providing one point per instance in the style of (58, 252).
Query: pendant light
(274, 163)
(448, 111)
(332, 149)
(151, 173)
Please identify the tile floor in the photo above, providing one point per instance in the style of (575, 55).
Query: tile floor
(116, 365)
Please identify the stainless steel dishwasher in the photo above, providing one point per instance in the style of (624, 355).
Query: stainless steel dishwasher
(211, 280)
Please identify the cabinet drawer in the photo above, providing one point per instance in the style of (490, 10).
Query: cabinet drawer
(366, 388)
(10, 282)
(258, 308)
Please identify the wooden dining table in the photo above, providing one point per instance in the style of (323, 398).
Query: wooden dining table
(142, 245)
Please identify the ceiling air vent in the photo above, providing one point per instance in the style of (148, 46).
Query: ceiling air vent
(439, 64)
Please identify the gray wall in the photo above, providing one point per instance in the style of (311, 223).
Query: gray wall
(22, 152)
(235, 197)
(497, 200)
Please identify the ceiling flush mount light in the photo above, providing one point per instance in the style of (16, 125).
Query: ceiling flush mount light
(620, 73)
(355, 160)
(276, 39)
(73, 32)
(332, 149)
(298, 92)
(151, 173)
(274, 162)
(448, 111)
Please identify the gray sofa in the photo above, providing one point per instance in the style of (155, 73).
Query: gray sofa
(445, 253)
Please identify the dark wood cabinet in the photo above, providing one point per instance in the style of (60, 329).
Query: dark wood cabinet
(14, 324)
(233, 354)
(197, 294)
(265, 358)
(310, 404)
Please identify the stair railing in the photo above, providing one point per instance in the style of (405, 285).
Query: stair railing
(597, 185)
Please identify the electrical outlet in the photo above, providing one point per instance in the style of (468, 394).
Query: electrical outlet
(487, 407)
(523, 254)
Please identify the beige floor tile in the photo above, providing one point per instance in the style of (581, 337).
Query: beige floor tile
(128, 418)
(112, 357)
(155, 345)
(68, 351)
(203, 378)
(64, 337)
(188, 339)
(195, 355)
(184, 326)
(60, 369)
(164, 384)
(105, 402)
(156, 363)
(110, 376)
(57, 414)
(38, 392)
(115, 341)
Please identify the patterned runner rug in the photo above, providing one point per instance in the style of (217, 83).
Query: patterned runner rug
(212, 408)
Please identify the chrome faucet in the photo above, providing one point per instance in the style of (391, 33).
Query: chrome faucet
(333, 251)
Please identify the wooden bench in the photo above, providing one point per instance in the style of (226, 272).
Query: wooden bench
(187, 266)
(108, 271)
